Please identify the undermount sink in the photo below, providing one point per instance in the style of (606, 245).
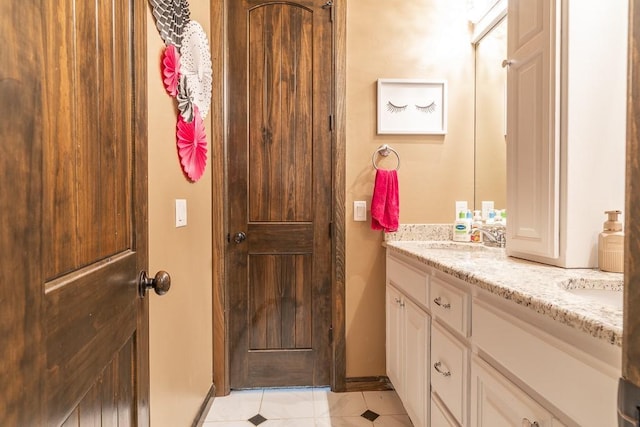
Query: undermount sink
(456, 246)
(605, 291)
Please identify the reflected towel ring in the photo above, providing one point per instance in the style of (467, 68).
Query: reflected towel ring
(384, 150)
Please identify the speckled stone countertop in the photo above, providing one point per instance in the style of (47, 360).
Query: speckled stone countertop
(542, 288)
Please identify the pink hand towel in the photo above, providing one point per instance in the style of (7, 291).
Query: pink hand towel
(385, 203)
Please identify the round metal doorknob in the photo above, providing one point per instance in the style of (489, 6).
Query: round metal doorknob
(160, 283)
(239, 237)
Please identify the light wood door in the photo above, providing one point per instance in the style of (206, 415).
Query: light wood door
(73, 338)
(279, 190)
(533, 140)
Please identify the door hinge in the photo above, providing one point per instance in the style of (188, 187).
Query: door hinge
(331, 230)
(228, 237)
(331, 334)
(331, 122)
(329, 5)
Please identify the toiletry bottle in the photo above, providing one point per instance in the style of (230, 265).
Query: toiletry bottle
(476, 235)
(492, 217)
(611, 244)
(487, 206)
(461, 206)
(462, 228)
(498, 217)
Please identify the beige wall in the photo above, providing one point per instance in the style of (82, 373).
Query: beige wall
(180, 321)
(427, 39)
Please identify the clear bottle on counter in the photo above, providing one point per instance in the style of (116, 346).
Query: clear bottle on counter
(476, 235)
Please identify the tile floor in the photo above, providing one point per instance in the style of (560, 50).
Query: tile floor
(307, 407)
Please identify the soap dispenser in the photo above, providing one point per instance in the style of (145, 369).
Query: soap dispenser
(611, 244)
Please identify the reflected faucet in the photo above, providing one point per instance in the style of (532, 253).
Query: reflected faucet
(495, 235)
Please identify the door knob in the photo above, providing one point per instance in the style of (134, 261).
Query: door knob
(239, 237)
(160, 283)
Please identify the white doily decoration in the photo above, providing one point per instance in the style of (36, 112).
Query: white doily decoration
(195, 65)
(171, 18)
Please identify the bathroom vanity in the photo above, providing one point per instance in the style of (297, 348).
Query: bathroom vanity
(477, 338)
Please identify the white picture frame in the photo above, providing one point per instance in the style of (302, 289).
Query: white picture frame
(412, 106)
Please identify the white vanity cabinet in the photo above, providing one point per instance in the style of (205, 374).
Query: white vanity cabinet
(459, 355)
(408, 338)
(565, 155)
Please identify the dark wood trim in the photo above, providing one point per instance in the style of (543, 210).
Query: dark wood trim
(369, 384)
(141, 226)
(631, 326)
(205, 407)
(219, 198)
(23, 103)
(338, 381)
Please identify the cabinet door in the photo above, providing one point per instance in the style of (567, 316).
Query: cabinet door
(394, 341)
(533, 129)
(496, 402)
(416, 362)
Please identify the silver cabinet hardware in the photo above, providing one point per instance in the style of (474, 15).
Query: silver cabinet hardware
(437, 366)
(439, 303)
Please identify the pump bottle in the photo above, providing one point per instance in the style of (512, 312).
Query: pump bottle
(611, 244)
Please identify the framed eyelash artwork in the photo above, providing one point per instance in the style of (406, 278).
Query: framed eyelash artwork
(412, 106)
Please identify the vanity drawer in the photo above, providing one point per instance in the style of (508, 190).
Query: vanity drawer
(579, 385)
(449, 371)
(411, 281)
(451, 305)
(440, 417)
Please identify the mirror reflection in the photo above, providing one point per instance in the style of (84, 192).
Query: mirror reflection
(490, 120)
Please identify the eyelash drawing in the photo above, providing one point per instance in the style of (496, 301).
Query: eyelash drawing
(426, 108)
(392, 108)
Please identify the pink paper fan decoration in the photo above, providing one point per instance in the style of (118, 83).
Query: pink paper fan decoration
(192, 146)
(171, 69)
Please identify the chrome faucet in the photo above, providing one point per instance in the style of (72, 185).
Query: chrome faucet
(495, 235)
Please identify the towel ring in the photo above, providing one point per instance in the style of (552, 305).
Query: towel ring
(384, 150)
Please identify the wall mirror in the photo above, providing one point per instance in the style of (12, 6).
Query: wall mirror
(490, 114)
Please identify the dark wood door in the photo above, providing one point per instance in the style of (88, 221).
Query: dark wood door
(279, 160)
(73, 338)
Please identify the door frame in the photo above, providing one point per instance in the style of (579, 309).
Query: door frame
(141, 212)
(220, 199)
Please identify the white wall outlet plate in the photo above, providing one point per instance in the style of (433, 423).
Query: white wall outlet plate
(181, 213)
(360, 210)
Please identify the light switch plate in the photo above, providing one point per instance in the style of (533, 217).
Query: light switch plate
(181, 213)
(360, 210)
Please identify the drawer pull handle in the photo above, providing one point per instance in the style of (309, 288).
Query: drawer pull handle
(527, 423)
(437, 365)
(439, 303)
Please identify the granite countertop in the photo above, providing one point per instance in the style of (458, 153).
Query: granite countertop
(540, 287)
